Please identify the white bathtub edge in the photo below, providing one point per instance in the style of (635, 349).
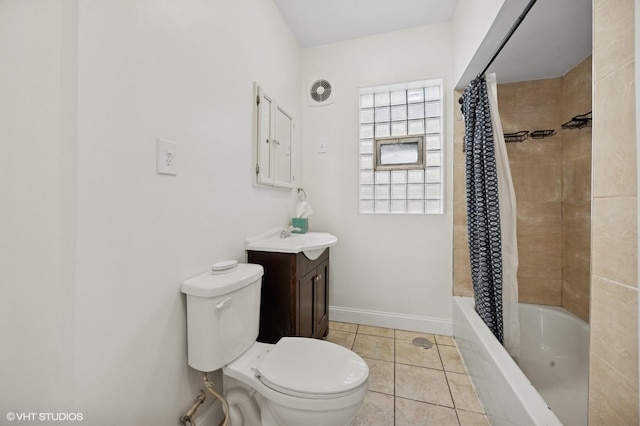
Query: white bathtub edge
(501, 410)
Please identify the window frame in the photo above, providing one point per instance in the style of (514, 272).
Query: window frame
(398, 140)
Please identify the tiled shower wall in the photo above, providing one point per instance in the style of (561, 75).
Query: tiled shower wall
(613, 373)
(536, 168)
(552, 180)
(576, 192)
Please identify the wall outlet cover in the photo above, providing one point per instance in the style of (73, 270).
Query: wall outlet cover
(166, 157)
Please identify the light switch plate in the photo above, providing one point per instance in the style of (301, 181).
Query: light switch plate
(166, 157)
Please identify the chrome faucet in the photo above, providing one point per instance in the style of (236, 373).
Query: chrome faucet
(287, 232)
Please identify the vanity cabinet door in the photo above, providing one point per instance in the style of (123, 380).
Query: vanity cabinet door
(321, 302)
(306, 296)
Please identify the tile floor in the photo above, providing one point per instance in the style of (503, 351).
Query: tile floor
(409, 385)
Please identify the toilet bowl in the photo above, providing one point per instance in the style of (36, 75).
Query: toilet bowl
(297, 381)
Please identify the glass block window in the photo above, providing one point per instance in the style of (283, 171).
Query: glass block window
(397, 120)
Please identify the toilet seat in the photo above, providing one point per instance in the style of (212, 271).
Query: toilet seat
(313, 369)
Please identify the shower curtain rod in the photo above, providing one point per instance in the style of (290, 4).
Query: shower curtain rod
(513, 29)
(509, 34)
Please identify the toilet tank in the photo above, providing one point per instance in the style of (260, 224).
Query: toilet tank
(223, 315)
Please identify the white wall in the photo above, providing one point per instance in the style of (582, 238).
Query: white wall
(36, 211)
(386, 270)
(95, 243)
(471, 23)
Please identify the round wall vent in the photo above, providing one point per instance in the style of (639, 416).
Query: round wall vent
(320, 90)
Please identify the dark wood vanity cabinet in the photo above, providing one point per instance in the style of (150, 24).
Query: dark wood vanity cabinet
(294, 295)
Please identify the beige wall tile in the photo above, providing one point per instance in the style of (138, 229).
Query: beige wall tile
(509, 123)
(576, 143)
(576, 90)
(540, 291)
(460, 212)
(614, 239)
(460, 236)
(614, 331)
(540, 258)
(459, 158)
(538, 95)
(539, 239)
(537, 182)
(542, 214)
(613, 393)
(614, 147)
(613, 397)
(462, 273)
(545, 119)
(576, 298)
(576, 179)
(613, 36)
(507, 97)
(534, 151)
(576, 230)
(460, 185)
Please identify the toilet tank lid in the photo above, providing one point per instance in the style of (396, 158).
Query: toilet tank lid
(213, 285)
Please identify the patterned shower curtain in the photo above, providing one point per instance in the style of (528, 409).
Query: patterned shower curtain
(483, 210)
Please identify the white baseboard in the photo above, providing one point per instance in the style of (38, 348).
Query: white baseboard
(392, 320)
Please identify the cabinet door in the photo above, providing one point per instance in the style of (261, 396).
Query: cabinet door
(306, 323)
(282, 148)
(321, 302)
(274, 132)
(264, 133)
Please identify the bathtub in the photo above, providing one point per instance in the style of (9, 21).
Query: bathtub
(549, 383)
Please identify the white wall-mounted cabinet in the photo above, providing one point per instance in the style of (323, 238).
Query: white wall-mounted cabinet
(274, 139)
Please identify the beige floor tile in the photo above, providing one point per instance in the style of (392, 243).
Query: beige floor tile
(380, 376)
(463, 393)
(343, 326)
(422, 384)
(414, 413)
(341, 338)
(410, 335)
(467, 418)
(374, 347)
(444, 340)
(376, 331)
(408, 353)
(377, 410)
(451, 360)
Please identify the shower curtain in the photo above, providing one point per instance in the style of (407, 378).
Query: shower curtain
(491, 214)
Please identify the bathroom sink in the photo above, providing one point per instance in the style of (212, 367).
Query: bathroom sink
(312, 244)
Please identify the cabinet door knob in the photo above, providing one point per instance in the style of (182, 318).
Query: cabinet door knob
(319, 276)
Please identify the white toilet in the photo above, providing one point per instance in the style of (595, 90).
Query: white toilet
(297, 381)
